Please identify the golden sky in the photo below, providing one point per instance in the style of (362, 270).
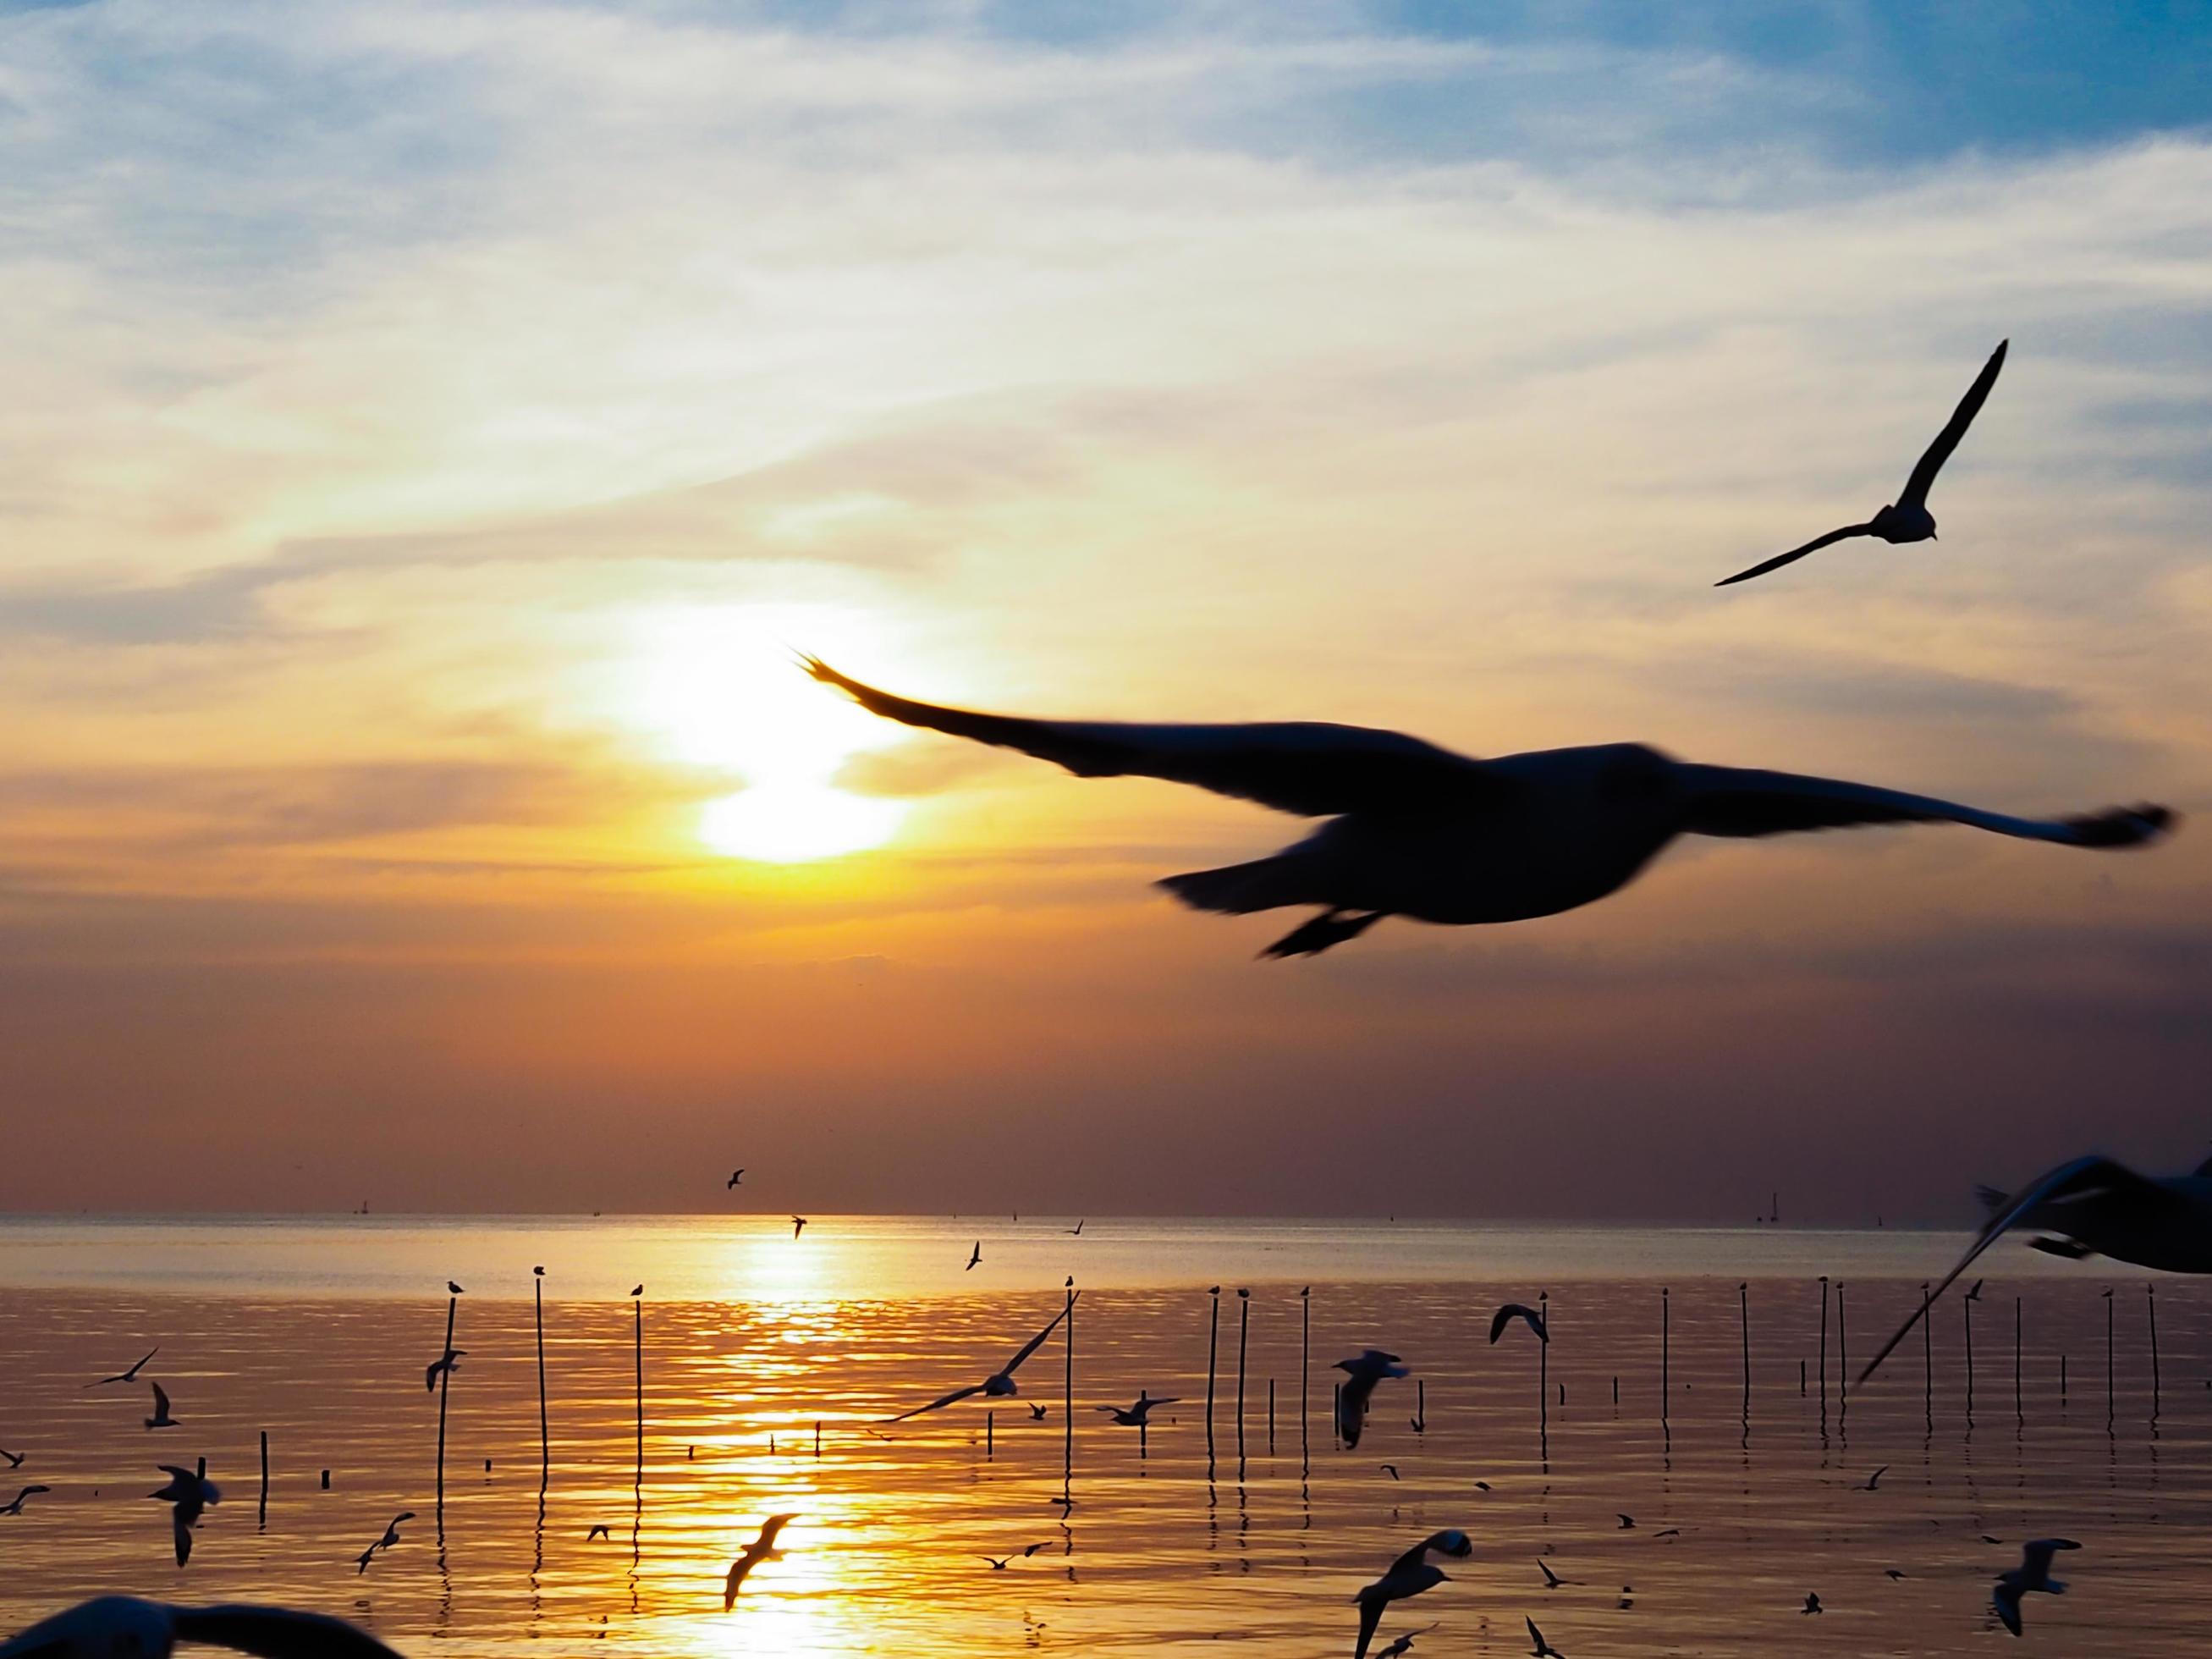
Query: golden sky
(432, 430)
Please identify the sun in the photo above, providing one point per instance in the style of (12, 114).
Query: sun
(719, 686)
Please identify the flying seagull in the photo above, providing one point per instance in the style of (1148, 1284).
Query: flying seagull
(14, 1458)
(444, 1366)
(390, 1540)
(1874, 1480)
(113, 1625)
(1037, 1414)
(1402, 1645)
(797, 1226)
(1361, 1375)
(2032, 1574)
(999, 1563)
(1513, 1311)
(1417, 831)
(1543, 1650)
(763, 1548)
(189, 1492)
(1409, 1575)
(1906, 518)
(600, 1531)
(130, 1375)
(2095, 1205)
(1076, 1232)
(999, 1385)
(1627, 1521)
(1135, 1416)
(974, 1256)
(160, 1418)
(735, 1176)
(1552, 1580)
(1811, 1603)
(16, 1506)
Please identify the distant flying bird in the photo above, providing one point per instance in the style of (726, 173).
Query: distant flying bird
(1543, 1650)
(1513, 1311)
(111, 1626)
(974, 1256)
(1812, 1604)
(1409, 1575)
(1037, 1414)
(390, 1540)
(444, 1366)
(999, 1385)
(1361, 1375)
(1975, 1295)
(1132, 1417)
(1076, 1232)
(453, 1288)
(1390, 1469)
(797, 1226)
(637, 1290)
(1627, 1522)
(597, 1532)
(1892, 1574)
(2094, 1206)
(1552, 1580)
(1415, 831)
(14, 1458)
(735, 1176)
(130, 1375)
(2030, 1576)
(16, 1507)
(998, 1564)
(1402, 1645)
(763, 1548)
(1906, 518)
(160, 1418)
(189, 1492)
(1874, 1480)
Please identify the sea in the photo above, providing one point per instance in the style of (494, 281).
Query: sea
(1682, 1456)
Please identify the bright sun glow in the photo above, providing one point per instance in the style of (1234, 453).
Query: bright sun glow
(721, 687)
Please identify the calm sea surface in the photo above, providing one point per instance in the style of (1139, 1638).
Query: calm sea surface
(1743, 1484)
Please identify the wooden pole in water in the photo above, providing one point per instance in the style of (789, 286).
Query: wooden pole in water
(2108, 1354)
(2018, 1411)
(1067, 1399)
(1743, 1315)
(1271, 1417)
(544, 1439)
(1843, 1359)
(1306, 1356)
(445, 1377)
(1212, 1349)
(1666, 1354)
(2062, 1380)
(990, 1436)
(1243, 1334)
(637, 1349)
(1824, 1343)
(2150, 1301)
(1544, 1371)
(261, 1518)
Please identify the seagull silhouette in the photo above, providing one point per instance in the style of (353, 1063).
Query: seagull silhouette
(999, 1385)
(1037, 1414)
(1076, 1232)
(130, 1375)
(763, 1548)
(2093, 1205)
(1417, 831)
(1627, 1521)
(1812, 1604)
(637, 1290)
(160, 1418)
(1543, 1650)
(453, 1289)
(797, 1226)
(1906, 518)
(16, 1507)
(1361, 1375)
(1873, 1481)
(14, 1458)
(1552, 1580)
(2030, 1576)
(1390, 1469)
(735, 1176)
(390, 1540)
(444, 1366)
(1975, 1295)
(1409, 1575)
(600, 1531)
(1513, 1311)
(999, 1563)
(974, 1256)
(110, 1625)
(189, 1492)
(1401, 1646)
(1134, 1416)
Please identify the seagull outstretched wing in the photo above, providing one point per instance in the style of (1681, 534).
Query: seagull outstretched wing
(276, 1633)
(1308, 767)
(1512, 1311)
(1796, 553)
(937, 1404)
(1037, 1341)
(1739, 801)
(1930, 463)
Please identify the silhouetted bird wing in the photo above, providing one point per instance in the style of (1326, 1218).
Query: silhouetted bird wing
(1370, 1615)
(1739, 801)
(1352, 1407)
(937, 1404)
(1925, 471)
(160, 1401)
(277, 1633)
(1796, 553)
(2006, 1599)
(1513, 1311)
(1308, 768)
(2036, 1557)
(2083, 1177)
(1037, 1341)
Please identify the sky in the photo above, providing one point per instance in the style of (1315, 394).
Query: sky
(433, 429)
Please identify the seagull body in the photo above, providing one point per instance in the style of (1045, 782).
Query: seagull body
(189, 1492)
(600, 1531)
(735, 1176)
(2030, 1576)
(999, 1385)
(1552, 1580)
(797, 1226)
(1543, 1650)
(1812, 1604)
(1133, 1417)
(2095, 1205)
(763, 1548)
(1907, 519)
(1361, 1375)
(1417, 831)
(1402, 1645)
(1076, 1232)
(130, 1375)
(453, 1289)
(390, 1540)
(125, 1627)
(974, 1256)
(1409, 1575)
(1037, 1414)
(444, 1366)
(16, 1506)
(1513, 1311)
(160, 1418)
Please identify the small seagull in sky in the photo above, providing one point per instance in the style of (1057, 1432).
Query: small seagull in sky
(1513, 1311)
(763, 1548)
(444, 1366)
(999, 1385)
(1975, 1295)
(1361, 1375)
(1543, 1650)
(539, 1270)
(1907, 519)
(15, 1506)
(114, 1625)
(390, 1540)
(130, 1375)
(974, 1256)
(189, 1492)
(1409, 1575)
(1130, 1417)
(735, 1176)
(797, 1226)
(1892, 1574)
(2030, 1576)
(160, 1418)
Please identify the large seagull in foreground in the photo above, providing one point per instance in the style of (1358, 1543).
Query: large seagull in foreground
(1415, 831)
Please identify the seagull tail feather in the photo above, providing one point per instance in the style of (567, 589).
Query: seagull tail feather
(1238, 890)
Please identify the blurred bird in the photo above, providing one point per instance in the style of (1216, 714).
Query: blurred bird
(1361, 1374)
(1402, 1645)
(2030, 1576)
(14, 1458)
(1390, 1469)
(999, 1385)
(129, 1376)
(637, 1290)
(763, 1548)
(1873, 1481)
(16, 1507)
(117, 1626)
(1513, 1311)
(1543, 1650)
(1627, 1521)
(735, 1176)
(444, 1366)
(974, 1256)
(390, 1540)
(1409, 1575)
(1906, 518)
(1552, 1580)
(189, 1492)
(453, 1289)
(160, 1418)
(1132, 1417)
(797, 1226)
(1812, 1604)
(1417, 831)
(600, 1531)
(1076, 1232)
(998, 1564)
(1037, 1414)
